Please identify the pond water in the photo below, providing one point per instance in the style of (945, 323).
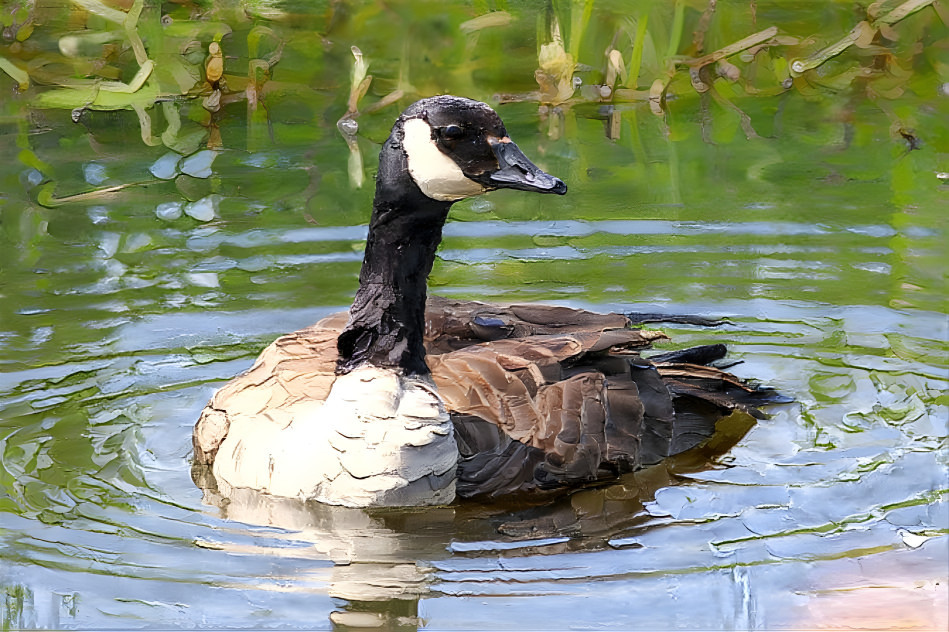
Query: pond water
(821, 240)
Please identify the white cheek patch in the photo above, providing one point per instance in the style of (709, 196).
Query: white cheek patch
(436, 174)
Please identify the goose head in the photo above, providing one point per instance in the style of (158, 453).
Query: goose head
(456, 148)
(441, 150)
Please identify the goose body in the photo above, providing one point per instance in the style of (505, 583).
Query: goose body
(406, 400)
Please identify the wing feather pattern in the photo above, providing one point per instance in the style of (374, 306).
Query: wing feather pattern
(541, 397)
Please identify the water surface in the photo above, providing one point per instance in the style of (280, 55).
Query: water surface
(821, 241)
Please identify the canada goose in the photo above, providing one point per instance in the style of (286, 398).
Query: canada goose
(403, 401)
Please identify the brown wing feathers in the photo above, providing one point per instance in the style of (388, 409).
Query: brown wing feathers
(542, 409)
(541, 397)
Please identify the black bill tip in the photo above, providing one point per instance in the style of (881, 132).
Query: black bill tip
(537, 181)
(516, 171)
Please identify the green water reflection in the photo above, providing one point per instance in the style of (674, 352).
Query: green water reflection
(809, 210)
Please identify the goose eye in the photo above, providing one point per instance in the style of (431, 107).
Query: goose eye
(453, 132)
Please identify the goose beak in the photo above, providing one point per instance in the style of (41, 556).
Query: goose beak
(516, 171)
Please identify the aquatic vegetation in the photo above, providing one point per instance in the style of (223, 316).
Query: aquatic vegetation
(187, 48)
(767, 61)
(181, 71)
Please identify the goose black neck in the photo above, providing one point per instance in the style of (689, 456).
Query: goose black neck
(387, 319)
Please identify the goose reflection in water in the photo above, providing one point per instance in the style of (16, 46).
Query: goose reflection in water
(369, 557)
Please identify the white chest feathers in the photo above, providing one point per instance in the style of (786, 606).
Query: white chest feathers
(379, 439)
(437, 175)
